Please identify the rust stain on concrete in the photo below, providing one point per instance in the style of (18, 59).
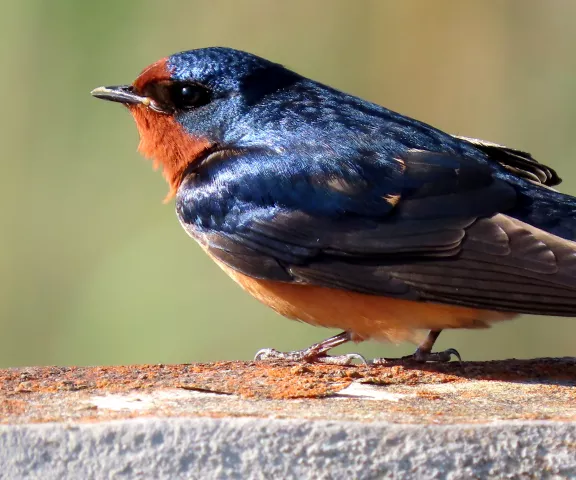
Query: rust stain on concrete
(432, 393)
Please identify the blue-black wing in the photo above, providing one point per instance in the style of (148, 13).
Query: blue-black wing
(431, 227)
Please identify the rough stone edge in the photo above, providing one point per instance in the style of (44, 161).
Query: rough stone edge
(272, 448)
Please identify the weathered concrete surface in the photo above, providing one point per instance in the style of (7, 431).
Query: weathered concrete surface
(512, 419)
(241, 448)
(469, 392)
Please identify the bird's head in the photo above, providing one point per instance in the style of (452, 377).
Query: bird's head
(195, 103)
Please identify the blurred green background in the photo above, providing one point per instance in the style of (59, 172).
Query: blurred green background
(94, 269)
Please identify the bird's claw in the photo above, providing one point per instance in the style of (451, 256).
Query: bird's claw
(310, 356)
(420, 356)
(440, 357)
(345, 359)
(270, 354)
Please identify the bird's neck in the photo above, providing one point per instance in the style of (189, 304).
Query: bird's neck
(164, 140)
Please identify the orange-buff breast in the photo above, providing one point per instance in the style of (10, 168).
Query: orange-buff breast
(366, 316)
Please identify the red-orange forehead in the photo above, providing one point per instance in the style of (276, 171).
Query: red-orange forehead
(153, 73)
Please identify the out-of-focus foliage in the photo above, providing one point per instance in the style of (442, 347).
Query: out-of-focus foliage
(94, 269)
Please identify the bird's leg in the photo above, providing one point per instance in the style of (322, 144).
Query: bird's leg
(317, 353)
(424, 352)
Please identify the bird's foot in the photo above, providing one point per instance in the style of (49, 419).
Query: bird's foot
(317, 353)
(421, 356)
(270, 354)
(440, 357)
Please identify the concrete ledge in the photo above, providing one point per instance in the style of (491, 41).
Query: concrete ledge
(207, 448)
(509, 419)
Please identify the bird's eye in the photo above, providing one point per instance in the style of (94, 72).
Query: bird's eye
(170, 97)
(184, 96)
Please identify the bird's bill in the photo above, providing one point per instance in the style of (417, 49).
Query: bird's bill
(121, 94)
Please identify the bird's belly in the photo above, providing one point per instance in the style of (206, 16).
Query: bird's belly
(366, 316)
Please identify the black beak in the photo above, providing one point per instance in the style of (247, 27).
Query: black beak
(121, 94)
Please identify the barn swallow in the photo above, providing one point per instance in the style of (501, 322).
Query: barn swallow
(341, 213)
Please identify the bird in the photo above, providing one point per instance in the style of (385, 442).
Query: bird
(341, 213)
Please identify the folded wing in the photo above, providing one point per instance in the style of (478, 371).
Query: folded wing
(447, 239)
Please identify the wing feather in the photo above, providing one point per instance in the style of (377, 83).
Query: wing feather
(447, 239)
